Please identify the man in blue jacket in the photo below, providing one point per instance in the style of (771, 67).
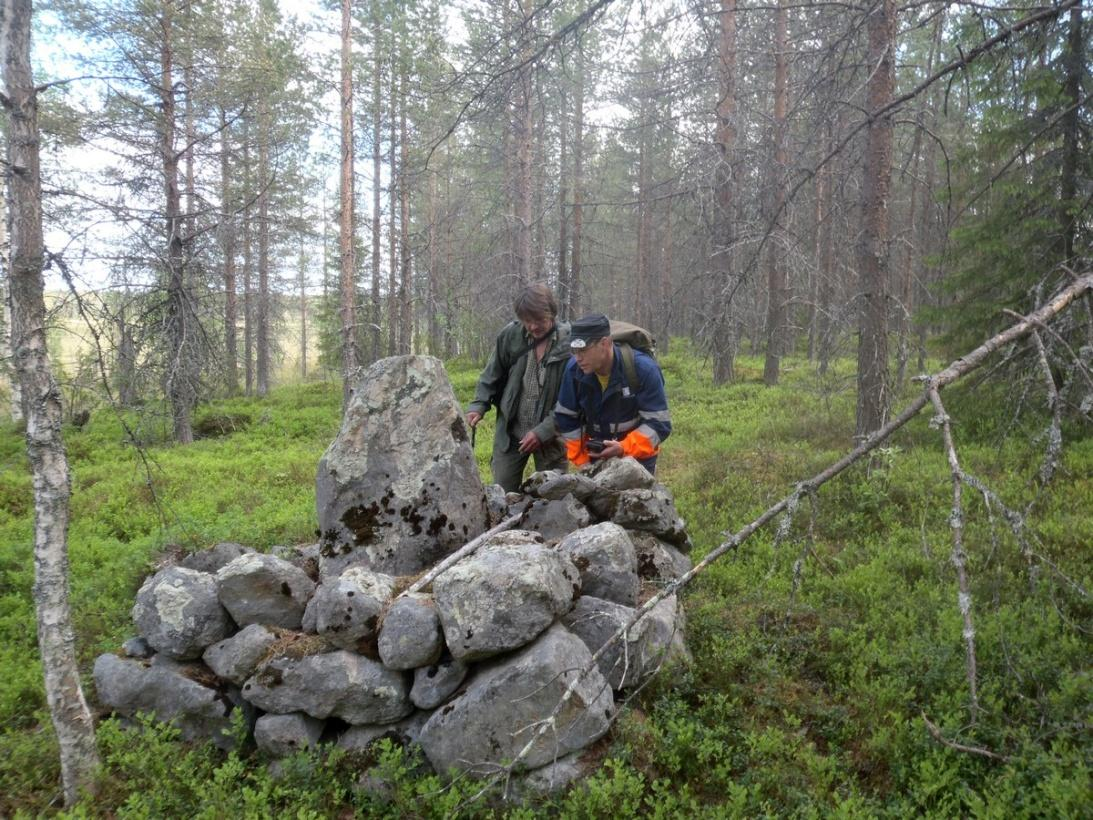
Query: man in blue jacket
(600, 413)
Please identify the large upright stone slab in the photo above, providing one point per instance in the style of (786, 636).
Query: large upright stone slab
(398, 489)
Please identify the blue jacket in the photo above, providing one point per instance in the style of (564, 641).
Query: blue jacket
(639, 420)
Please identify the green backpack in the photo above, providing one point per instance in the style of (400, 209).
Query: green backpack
(630, 338)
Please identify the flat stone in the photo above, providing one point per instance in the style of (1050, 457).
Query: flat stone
(169, 691)
(263, 589)
(334, 684)
(215, 557)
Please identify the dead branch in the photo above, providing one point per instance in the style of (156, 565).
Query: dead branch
(935, 733)
(959, 557)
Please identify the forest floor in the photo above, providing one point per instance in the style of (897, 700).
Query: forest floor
(807, 697)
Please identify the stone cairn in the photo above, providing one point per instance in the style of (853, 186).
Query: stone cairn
(325, 643)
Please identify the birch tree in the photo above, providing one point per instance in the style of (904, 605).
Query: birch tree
(45, 447)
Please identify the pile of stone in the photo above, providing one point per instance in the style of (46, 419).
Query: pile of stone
(328, 643)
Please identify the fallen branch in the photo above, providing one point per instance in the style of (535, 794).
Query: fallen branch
(935, 733)
(959, 557)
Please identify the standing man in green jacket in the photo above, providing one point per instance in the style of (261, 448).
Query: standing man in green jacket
(521, 380)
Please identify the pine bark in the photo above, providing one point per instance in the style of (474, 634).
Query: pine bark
(72, 720)
(573, 307)
(182, 331)
(346, 288)
(777, 280)
(406, 284)
(725, 330)
(227, 247)
(248, 270)
(262, 338)
(377, 163)
(873, 251)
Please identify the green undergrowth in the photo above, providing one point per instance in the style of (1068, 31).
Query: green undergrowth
(819, 655)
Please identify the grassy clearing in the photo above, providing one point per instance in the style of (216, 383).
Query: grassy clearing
(808, 703)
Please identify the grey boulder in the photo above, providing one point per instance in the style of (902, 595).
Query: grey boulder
(436, 683)
(346, 610)
(237, 657)
(183, 693)
(653, 511)
(215, 557)
(658, 561)
(283, 735)
(263, 589)
(410, 633)
(399, 489)
(404, 732)
(506, 701)
(178, 613)
(504, 595)
(555, 485)
(652, 641)
(607, 561)
(334, 684)
(554, 519)
(617, 474)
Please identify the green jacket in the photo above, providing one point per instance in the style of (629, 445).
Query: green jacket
(500, 383)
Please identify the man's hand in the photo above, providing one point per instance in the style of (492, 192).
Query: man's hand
(473, 418)
(530, 443)
(611, 449)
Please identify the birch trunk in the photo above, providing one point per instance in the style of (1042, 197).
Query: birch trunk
(68, 709)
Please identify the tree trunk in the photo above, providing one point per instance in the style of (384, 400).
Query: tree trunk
(826, 268)
(573, 306)
(393, 313)
(873, 252)
(432, 309)
(15, 404)
(563, 219)
(725, 331)
(522, 133)
(182, 331)
(262, 340)
(1069, 204)
(777, 281)
(406, 284)
(346, 283)
(302, 286)
(248, 271)
(227, 247)
(377, 157)
(68, 709)
(125, 360)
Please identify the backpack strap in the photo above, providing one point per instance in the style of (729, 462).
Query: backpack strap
(628, 366)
